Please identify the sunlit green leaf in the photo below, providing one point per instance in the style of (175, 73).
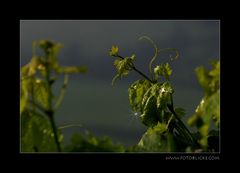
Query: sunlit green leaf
(136, 93)
(46, 44)
(209, 108)
(157, 139)
(149, 116)
(37, 78)
(36, 132)
(161, 92)
(162, 100)
(163, 70)
(159, 128)
(203, 78)
(41, 92)
(24, 95)
(114, 51)
(152, 102)
(215, 72)
(24, 70)
(209, 80)
(33, 66)
(50, 47)
(123, 66)
(133, 57)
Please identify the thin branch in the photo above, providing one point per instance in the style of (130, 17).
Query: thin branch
(69, 125)
(142, 74)
(118, 56)
(135, 69)
(50, 111)
(171, 109)
(54, 128)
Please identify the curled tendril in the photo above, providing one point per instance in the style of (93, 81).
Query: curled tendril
(69, 125)
(155, 48)
(157, 51)
(170, 49)
(115, 78)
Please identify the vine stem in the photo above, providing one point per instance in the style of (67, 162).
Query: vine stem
(181, 124)
(138, 71)
(51, 117)
(37, 105)
(50, 111)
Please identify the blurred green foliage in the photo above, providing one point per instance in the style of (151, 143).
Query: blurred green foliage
(36, 133)
(157, 139)
(90, 143)
(209, 108)
(37, 102)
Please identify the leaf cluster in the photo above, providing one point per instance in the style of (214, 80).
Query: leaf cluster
(37, 101)
(209, 108)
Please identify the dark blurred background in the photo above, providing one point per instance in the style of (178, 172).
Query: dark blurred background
(90, 99)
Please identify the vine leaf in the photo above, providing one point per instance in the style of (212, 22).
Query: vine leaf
(24, 95)
(36, 132)
(123, 67)
(149, 115)
(157, 139)
(136, 93)
(209, 107)
(151, 100)
(163, 70)
(114, 51)
(37, 78)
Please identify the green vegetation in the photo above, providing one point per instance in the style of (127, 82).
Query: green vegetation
(150, 97)
(91, 143)
(37, 103)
